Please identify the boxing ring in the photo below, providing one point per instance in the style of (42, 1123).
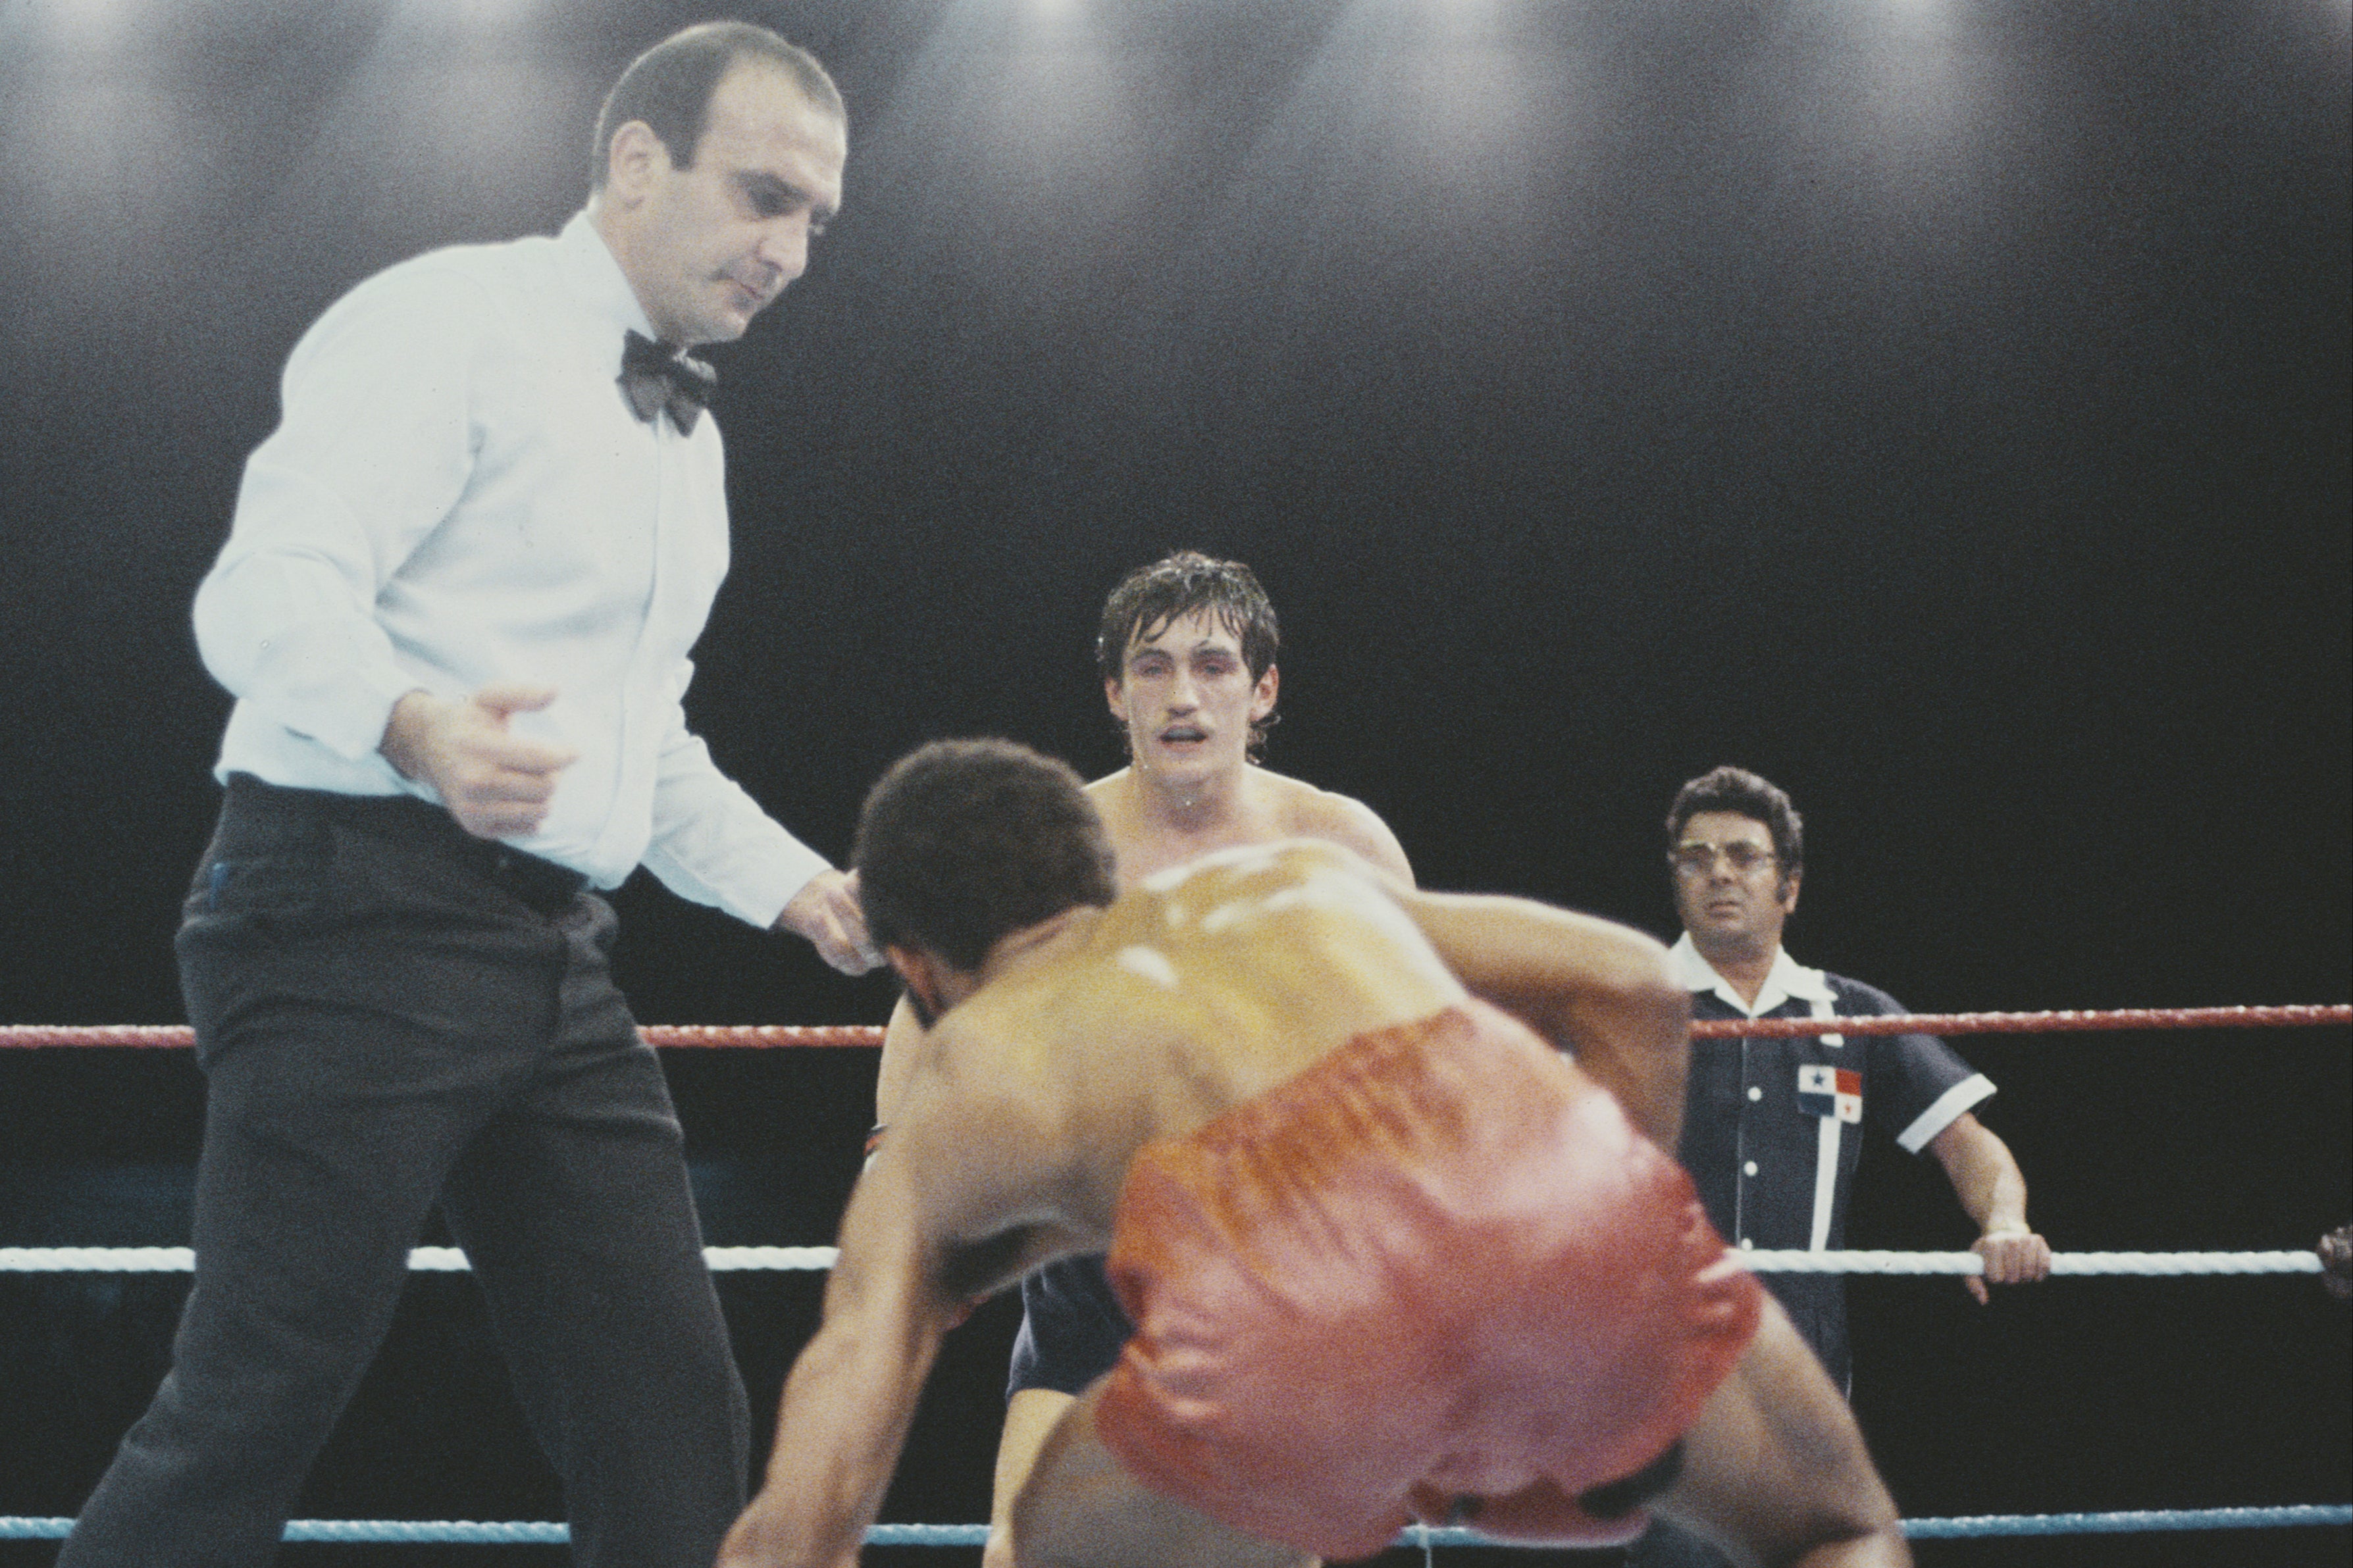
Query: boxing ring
(59, 1260)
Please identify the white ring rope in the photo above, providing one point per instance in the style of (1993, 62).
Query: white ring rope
(1767, 1261)
(421, 1259)
(545, 1533)
(732, 1259)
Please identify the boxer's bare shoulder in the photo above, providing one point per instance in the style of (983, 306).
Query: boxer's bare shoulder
(1284, 949)
(1287, 892)
(1153, 834)
(1308, 812)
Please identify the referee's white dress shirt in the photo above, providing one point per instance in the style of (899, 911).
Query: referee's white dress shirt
(458, 494)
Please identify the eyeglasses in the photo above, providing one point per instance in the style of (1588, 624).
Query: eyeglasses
(1699, 859)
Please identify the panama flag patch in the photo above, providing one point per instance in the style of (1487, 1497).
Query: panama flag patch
(1831, 1092)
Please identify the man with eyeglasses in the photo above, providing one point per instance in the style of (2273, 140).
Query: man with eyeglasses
(1770, 1126)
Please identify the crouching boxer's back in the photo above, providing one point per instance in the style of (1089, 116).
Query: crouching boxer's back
(1387, 1252)
(1201, 988)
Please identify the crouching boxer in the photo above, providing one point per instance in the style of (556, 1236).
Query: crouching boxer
(1388, 1255)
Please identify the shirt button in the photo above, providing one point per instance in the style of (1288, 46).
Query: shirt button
(1754, 1092)
(1746, 1244)
(1749, 1169)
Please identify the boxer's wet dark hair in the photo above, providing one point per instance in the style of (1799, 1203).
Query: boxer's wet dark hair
(669, 87)
(1177, 585)
(965, 841)
(1149, 597)
(1748, 795)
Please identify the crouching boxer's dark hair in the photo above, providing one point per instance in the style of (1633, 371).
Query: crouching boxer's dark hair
(965, 841)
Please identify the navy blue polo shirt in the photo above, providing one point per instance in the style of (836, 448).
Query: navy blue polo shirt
(1772, 1127)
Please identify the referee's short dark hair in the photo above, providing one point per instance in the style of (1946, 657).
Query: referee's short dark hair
(1739, 790)
(669, 87)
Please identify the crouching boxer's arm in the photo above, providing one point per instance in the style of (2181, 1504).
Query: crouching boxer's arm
(903, 1041)
(854, 1390)
(931, 1229)
(1775, 1470)
(1596, 989)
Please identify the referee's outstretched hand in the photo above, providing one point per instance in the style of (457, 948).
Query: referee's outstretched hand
(826, 911)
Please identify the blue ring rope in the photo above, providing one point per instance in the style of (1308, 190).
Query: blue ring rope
(2339, 1514)
(464, 1532)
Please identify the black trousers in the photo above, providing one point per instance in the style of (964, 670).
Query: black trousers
(389, 1012)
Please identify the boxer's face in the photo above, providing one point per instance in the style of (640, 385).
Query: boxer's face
(1729, 885)
(1186, 698)
(709, 247)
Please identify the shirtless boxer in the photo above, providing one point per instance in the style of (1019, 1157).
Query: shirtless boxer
(1187, 650)
(1187, 654)
(1388, 1253)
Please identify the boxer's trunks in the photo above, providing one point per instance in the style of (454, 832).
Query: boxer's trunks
(1440, 1258)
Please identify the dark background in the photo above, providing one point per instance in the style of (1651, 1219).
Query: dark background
(1939, 405)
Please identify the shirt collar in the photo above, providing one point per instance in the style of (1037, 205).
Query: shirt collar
(1788, 980)
(595, 276)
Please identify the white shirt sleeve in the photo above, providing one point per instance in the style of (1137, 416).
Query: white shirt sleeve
(712, 844)
(373, 449)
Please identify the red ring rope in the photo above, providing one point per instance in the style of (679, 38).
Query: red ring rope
(772, 1034)
(2026, 1023)
(180, 1035)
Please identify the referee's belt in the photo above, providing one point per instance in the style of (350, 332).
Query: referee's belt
(414, 825)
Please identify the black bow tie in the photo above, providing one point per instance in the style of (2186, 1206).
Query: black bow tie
(653, 379)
